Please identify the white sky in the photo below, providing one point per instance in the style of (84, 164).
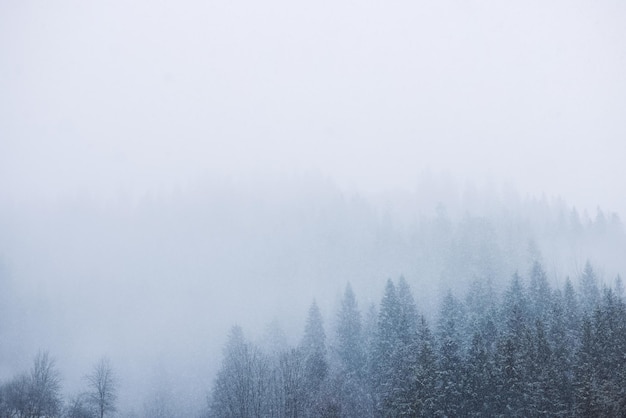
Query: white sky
(149, 94)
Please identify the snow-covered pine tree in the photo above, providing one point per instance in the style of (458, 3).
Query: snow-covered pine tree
(450, 364)
(387, 342)
(350, 350)
(424, 400)
(350, 347)
(313, 346)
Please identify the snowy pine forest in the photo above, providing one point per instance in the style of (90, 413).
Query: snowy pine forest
(533, 351)
(196, 306)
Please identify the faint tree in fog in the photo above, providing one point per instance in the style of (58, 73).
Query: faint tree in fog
(102, 383)
(158, 406)
(539, 292)
(619, 287)
(589, 292)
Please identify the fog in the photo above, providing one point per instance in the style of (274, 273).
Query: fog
(103, 97)
(170, 169)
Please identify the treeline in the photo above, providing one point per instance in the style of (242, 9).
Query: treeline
(534, 351)
(37, 393)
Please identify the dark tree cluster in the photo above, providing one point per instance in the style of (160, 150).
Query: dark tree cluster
(535, 351)
(37, 394)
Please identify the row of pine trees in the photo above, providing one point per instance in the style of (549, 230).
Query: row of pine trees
(533, 351)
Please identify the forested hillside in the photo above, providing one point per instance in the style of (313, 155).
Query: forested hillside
(155, 284)
(534, 350)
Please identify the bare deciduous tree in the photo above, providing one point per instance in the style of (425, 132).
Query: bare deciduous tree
(102, 383)
(45, 387)
(242, 385)
(33, 395)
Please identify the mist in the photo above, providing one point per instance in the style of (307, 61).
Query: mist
(170, 170)
(106, 97)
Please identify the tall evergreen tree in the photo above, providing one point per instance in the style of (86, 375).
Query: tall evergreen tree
(425, 372)
(450, 365)
(562, 356)
(352, 358)
(405, 357)
(316, 366)
(608, 327)
(479, 387)
(370, 332)
(350, 347)
(513, 351)
(587, 403)
(515, 309)
(387, 345)
(541, 375)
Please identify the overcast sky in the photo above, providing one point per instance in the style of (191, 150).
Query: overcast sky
(146, 95)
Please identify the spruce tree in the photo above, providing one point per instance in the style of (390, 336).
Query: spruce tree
(562, 356)
(513, 352)
(350, 347)
(450, 365)
(424, 403)
(479, 378)
(316, 366)
(351, 353)
(386, 351)
(587, 402)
